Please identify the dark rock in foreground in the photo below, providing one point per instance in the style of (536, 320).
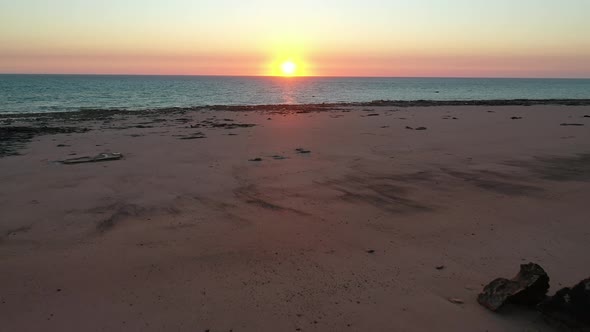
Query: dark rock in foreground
(570, 306)
(528, 287)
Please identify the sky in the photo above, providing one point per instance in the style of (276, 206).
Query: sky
(394, 38)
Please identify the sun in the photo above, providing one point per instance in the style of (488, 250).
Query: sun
(288, 68)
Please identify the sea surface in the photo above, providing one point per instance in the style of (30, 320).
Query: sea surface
(63, 93)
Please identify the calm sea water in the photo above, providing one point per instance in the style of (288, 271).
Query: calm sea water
(50, 93)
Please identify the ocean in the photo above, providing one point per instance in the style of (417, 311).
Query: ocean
(63, 93)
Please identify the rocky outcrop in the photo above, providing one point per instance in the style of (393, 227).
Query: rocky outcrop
(570, 306)
(528, 287)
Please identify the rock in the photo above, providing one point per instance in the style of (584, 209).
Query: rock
(421, 128)
(572, 124)
(373, 114)
(410, 128)
(570, 306)
(255, 159)
(528, 287)
(516, 117)
(456, 301)
(229, 125)
(440, 267)
(98, 158)
(301, 150)
(587, 116)
(198, 135)
(370, 251)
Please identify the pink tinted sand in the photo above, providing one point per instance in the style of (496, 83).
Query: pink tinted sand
(189, 235)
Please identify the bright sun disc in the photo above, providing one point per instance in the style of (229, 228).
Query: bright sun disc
(288, 68)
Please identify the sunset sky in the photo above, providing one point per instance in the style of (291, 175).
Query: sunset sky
(435, 38)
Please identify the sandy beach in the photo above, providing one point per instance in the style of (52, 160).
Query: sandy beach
(289, 218)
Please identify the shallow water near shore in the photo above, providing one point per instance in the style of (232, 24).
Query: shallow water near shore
(63, 93)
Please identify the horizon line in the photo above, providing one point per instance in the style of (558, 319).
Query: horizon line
(295, 77)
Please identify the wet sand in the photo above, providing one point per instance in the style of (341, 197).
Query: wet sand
(284, 218)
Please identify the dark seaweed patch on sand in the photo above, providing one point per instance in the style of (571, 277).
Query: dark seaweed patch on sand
(121, 213)
(572, 168)
(249, 194)
(15, 231)
(383, 192)
(496, 182)
(13, 139)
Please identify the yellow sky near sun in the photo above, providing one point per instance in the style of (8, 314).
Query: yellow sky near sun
(335, 38)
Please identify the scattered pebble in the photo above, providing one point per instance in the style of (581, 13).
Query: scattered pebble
(456, 301)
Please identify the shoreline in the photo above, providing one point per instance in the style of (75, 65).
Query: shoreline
(312, 107)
